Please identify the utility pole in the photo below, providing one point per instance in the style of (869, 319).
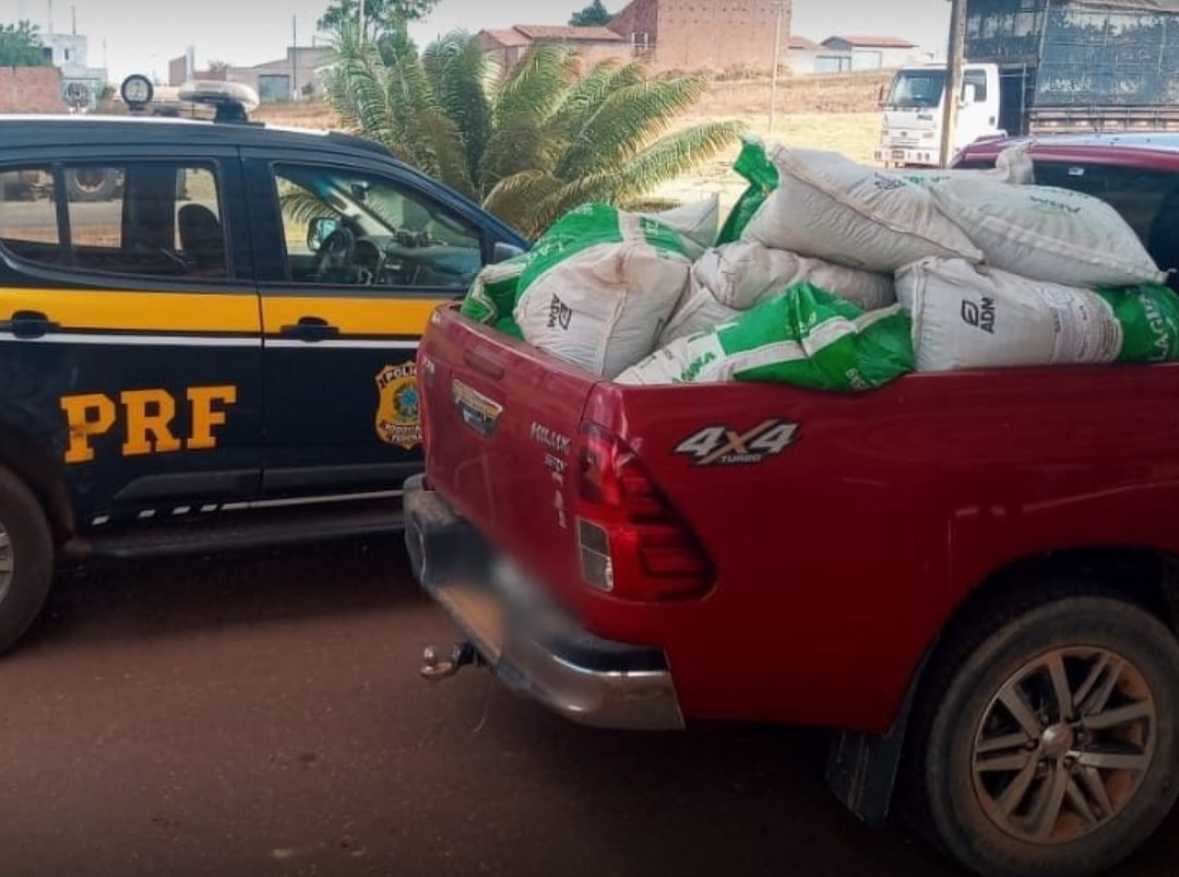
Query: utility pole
(953, 95)
(779, 7)
(294, 57)
(360, 20)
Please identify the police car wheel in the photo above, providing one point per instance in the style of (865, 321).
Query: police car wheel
(26, 558)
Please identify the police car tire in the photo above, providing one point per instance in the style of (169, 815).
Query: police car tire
(31, 545)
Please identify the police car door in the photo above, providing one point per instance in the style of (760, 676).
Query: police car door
(133, 325)
(358, 259)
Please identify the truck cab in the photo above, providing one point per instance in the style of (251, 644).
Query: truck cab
(913, 109)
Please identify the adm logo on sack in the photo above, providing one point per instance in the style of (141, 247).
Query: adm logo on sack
(398, 411)
(560, 314)
(981, 316)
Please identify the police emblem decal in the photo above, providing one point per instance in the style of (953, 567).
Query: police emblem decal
(398, 412)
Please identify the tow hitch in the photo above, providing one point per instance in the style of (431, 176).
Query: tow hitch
(435, 668)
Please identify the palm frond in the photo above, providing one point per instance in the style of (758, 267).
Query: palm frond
(517, 145)
(302, 207)
(582, 102)
(448, 155)
(673, 156)
(456, 69)
(629, 120)
(536, 84)
(515, 199)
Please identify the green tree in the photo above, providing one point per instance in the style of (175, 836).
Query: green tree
(594, 15)
(379, 15)
(21, 46)
(533, 144)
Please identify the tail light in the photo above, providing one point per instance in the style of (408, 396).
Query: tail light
(631, 542)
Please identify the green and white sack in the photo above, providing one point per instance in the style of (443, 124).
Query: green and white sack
(829, 207)
(966, 317)
(755, 166)
(600, 287)
(806, 338)
(492, 297)
(1048, 233)
(735, 278)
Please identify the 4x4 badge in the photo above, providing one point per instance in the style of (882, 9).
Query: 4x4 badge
(722, 446)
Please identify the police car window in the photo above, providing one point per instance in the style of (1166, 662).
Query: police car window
(349, 229)
(28, 215)
(147, 218)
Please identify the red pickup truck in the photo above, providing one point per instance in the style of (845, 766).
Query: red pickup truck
(971, 577)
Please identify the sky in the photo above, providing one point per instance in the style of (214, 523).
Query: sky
(140, 36)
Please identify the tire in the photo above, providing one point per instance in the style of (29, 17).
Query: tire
(1114, 770)
(26, 558)
(91, 184)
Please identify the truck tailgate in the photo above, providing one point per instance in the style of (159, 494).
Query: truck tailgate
(501, 419)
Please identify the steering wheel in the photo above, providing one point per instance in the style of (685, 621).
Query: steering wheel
(335, 254)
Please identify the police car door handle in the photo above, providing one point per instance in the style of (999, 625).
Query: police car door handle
(311, 329)
(29, 324)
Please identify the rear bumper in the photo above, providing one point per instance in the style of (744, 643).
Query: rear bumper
(529, 643)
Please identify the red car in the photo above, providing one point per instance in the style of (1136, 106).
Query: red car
(971, 577)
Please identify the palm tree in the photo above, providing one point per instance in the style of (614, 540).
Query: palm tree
(533, 144)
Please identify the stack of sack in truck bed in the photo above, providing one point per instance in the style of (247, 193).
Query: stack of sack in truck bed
(831, 275)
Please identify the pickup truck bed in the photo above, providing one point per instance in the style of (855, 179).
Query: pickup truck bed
(652, 557)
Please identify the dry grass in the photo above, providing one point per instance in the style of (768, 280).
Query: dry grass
(837, 112)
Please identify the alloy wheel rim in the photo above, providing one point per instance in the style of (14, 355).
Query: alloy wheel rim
(1064, 746)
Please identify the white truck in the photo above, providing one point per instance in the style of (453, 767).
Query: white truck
(913, 113)
(1041, 66)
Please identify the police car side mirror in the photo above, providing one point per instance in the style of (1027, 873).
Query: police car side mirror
(502, 252)
(319, 230)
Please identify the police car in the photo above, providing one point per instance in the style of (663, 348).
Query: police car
(220, 351)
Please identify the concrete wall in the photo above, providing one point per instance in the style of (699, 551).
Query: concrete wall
(31, 90)
(265, 78)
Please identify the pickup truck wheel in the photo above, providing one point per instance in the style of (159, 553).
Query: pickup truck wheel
(26, 558)
(1052, 746)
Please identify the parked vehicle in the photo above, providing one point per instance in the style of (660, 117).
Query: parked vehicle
(1037, 67)
(231, 369)
(971, 577)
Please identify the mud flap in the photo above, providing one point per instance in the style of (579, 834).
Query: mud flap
(862, 769)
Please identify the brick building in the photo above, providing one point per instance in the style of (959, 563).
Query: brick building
(704, 34)
(594, 44)
(690, 35)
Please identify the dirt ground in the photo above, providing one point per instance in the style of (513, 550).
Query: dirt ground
(837, 112)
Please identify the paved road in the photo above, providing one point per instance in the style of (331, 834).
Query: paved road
(260, 715)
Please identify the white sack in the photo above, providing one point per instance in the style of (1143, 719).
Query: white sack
(744, 274)
(1048, 233)
(828, 207)
(966, 317)
(1013, 165)
(698, 222)
(604, 308)
(699, 312)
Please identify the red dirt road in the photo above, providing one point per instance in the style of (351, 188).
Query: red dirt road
(261, 714)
